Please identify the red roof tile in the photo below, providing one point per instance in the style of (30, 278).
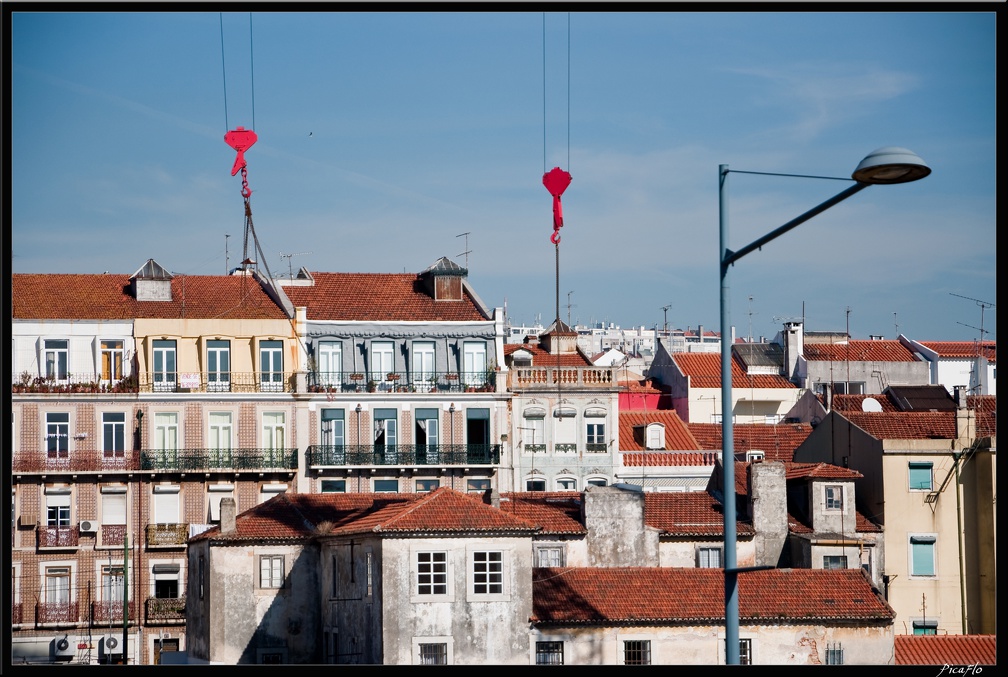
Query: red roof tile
(944, 650)
(828, 471)
(777, 441)
(554, 512)
(859, 351)
(688, 514)
(446, 510)
(704, 371)
(605, 596)
(677, 435)
(378, 297)
(541, 358)
(60, 296)
(963, 349)
(918, 425)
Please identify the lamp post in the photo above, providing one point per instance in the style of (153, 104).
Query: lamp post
(883, 166)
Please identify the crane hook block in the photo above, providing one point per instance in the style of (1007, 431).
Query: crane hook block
(240, 139)
(556, 181)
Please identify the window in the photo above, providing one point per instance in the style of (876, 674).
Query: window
(166, 503)
(564, 431)
(215, 494)
(201, 575)
(386, 434)
(488, 573)
(925, 627)
(58, 434)
(329, 359)
(114, 433)
(549, 556)
(637, 652)
(58, 507)
(745, 651)
(423, 486)
(477, 486)
(220, 438)
(273, 434)
(271, 571)
(922, 555)
(218, 366)
(596, 482)
(166, 436)
(423, 365)
(369, 572)
(111, 361)
(535, 485)
(549, 653)
(432, 573)
(57, 585)
(566, 484)
(166, 581)
(656, 436)
(535, 435)
(709, 558)
(596, 437)
(333, 486)
(474, 363)
(113, 506)
(834, 653)
(920, 477)
(164, 366)
(426, 435)
(834, 497)
(57, 352)
(112, 583)
(834, 562)
(386, 486)
(271, 366)
(333, 429)
(381, 360)
(433, 654)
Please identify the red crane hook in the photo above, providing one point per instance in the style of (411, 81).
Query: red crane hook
(556, 181)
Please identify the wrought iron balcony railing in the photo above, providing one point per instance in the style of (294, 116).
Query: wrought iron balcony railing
(75, 461)
(218, 459)
(111, 611)
(165, 610)
(57, 537)
(17, 613)
(401, 381)
(166, 535)
(113, 535)
(217, 382)
(57, 613)
(87, 382)
(403, 454)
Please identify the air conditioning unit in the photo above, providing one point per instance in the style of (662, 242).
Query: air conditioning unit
(111, 644)
(64, 647)
(88, 527)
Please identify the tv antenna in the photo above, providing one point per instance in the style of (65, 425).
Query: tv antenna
(984, 305)
(467, 251)
(290, 270)
(665, 310)
(569, 306)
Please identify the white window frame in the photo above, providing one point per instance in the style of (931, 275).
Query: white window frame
(654, 436)
(552, 555)
(474, 362)
(114, 508)
(703, 556)
(215, 494)
(840, 560)
(430, 567)
(114, 433)
(112, 360)
(218, 366)
(547, 644)
(58, 434)
(648, 644)
(566, 484)
(164, 365)
(56, 359)
(444, 640)
(166, 435)
(165, 501)
(272, 571)
(220, 436)
(58, 501)
(274, 430)
(423, 364)
(833, 497)
(329, 363)
(58, 582)
(271, 366)
(490, 566)
(382, 360)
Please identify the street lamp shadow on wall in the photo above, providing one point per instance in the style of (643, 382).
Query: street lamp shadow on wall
(888, 165)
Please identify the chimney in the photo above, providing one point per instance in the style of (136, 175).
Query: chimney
(228, 509)
(794, 346)
(965, 418)
(768, 510)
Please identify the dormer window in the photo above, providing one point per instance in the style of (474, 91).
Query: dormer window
(655, 436)
(754, 456)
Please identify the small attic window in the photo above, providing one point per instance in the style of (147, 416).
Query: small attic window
(655, 436)
(754, 455)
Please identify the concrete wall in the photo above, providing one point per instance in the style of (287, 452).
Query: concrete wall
(617, 535)
(768, 508)
(798, 644)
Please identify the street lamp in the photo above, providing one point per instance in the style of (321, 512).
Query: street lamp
(883, 166)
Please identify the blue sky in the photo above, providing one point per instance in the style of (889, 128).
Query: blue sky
(385, 136)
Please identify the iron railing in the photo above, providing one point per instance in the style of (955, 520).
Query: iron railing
(62, 613)
(75, 461)
(57, 537)
(401, 381)
(403, 454)
(108, 612)
(17, 613)
(217, 382)
(218, 459)
(165, 610)
(87, 382)
(166, 535)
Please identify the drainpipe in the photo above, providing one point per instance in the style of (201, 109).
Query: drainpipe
(959, 532)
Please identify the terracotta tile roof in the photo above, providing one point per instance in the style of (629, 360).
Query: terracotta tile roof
(918, 425)
(677, 435)
(554, 512)
(963, 350)
(862, 525)
(945, 650)
(859, 351)
(645, 386)
(818, 471)
(637, 595)
(704, 371)
(378, 297)
(777, 441)
(688, 514)
(856, 402)
(60, 296)
(541, 358)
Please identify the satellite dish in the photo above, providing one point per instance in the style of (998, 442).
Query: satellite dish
(870, 404)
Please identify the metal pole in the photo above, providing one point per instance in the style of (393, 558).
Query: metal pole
(727, 438)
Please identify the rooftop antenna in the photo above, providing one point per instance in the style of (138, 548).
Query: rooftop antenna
(569, 306)
(750, 319)
(979, 344)
(290, 270)
(665, 309)
(896, 324)
(227, 269)
(467, 251)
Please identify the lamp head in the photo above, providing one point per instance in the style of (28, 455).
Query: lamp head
(890, 165)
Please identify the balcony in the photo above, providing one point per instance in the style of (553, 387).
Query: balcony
(164, 611)
(217, 382)
(56, 538)
(75, 461)
(109, 612)
(17, 613)
(73, 383)
(57, 613)
(319, 456)
(183, 460)
(166, 535)
(113, 535)
(401, 382)
(546, 378)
